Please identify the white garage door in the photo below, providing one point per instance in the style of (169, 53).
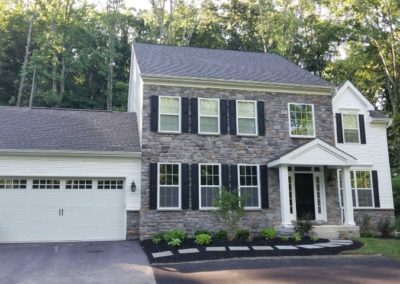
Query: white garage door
(48, 209)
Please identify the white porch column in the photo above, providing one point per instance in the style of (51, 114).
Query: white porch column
(347, 198)
(284, 193)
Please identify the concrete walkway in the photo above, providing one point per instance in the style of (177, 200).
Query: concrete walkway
(84, 262)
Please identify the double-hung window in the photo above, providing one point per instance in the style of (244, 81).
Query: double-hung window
(301, 120)
(350, 128)
(246, 117)
(210, 185)
(249, 185)
(169, 114)
(208, 116)
(361, 188)
(169, 186)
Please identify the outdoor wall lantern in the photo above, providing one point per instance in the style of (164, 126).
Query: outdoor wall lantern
(133, 186)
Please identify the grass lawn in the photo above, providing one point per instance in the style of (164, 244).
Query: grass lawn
(386, 247)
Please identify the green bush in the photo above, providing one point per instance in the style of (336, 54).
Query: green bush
(203, 239)
(386, 228)
(243, 234)
(367, 234)
(297, 237)
(157, 238)
(175, 242)
(303, 227)
(221, 235)
(174, 234)
(268, 233)
(284, 238)
(314, 238)
(396, 194)
(198, 232)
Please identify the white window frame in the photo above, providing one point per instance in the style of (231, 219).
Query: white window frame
(258, 185)
(199, 116)
(255, 117)
(179, 119)
(289, 121)
(179, 187)
(343, 128)
(200, 185)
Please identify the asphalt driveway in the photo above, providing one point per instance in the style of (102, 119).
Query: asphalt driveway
(84, 262)
(318, 269)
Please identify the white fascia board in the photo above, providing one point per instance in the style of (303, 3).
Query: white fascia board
(111, 154)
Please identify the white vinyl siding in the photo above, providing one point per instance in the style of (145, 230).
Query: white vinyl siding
(246, 117)
(301, 120)
(210, 185)
(169, 114)
(208, 116)
(350, 128)
(249, 185)
(169, 186)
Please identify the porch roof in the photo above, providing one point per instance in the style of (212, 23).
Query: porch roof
(315, 153)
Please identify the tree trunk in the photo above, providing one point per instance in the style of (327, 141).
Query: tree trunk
(33, 87)
(25, 63)
(54, 74)
(62, 81)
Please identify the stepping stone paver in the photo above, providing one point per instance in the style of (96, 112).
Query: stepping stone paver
(328, 245)
(189, 250)
(215, 248)
(286, 247)
(309, 246)
(341, 242)
(239, 248)
(162, 254)
(262, 248)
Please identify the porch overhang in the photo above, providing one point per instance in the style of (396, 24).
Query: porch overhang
(315, 153)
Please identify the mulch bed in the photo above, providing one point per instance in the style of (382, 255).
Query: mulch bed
(150, 248)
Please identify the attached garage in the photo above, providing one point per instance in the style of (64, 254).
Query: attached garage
(68, 193)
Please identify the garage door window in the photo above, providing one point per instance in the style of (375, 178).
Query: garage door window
(12, 183)
(110, 184)
(79, 184)
(46, 184)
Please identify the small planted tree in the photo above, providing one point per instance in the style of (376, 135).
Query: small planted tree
(230, 210)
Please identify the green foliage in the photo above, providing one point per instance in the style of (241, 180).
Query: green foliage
(243, 234)
(198, 232)
(203, 239)
(365, 227)
(230, 210)
(386, 228)
(175, 242)
(157, 238)
(221, 235)
(297, 237)
(314, 238)
(174, 234)
(303, 227)
(284, 238)
(268, 233)
(396, 194)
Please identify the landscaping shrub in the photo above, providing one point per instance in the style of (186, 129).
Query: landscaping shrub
(314, 238)
(230, 209)
(157, 238)
(268, 233)
(284, 238)
(175, 242)
(365, 228)
(303, 227)
(386, 228)
(221, 235)
(203, 239)
(243, 234)
(174, 234)
(297, 237)
(198, 232)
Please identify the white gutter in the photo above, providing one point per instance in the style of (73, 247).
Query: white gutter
(111, 154)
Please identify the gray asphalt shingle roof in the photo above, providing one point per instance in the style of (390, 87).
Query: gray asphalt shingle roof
(206, 63)
(378, 114)
(75, 130)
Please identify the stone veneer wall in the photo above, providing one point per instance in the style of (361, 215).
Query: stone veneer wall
(375, 216)
(227, 149)
(132, 226)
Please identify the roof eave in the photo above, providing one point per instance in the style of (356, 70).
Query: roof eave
(156, 79)
(39, 152)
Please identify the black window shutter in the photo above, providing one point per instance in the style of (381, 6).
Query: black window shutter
(234, 177)
(185, 115)
(261, 118)
(193, 113)
(339, 128)
(264, 186)
(225, 176)
(375, 187)
(195, 186)
(223, 110)
(232, 117)
(154, 113)
(185, 186)
(361, 124)
(153, 186)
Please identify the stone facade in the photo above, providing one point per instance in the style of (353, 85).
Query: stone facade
(229, 149)
(374, 216)
(132, 225)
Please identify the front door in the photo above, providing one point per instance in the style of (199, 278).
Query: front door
(305, 207)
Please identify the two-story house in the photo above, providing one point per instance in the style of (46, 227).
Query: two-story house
(198, 120)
